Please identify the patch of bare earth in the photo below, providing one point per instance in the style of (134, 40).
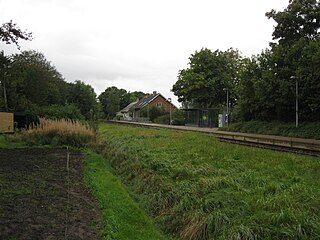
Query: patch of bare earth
(34, 196)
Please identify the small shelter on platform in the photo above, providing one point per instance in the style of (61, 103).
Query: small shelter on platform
(201, 117)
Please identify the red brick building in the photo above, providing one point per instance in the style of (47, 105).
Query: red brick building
(154, 100)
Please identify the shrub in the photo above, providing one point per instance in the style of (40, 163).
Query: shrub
(153, 112)
(55, 111)
(164, 119)
(57, 132)
(178, 117)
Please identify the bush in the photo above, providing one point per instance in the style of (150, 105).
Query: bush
(57, 133)
(178, 117)
(154, 112)
(55, 112)
(164, 119)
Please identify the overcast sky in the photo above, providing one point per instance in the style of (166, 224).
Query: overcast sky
(137, 44)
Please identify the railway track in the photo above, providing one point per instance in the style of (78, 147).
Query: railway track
(279, 143)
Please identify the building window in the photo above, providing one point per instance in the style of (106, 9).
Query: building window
(159, 105)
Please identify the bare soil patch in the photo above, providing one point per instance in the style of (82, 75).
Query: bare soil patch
(34, 196)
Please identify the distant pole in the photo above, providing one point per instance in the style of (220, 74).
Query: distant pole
(170, 100)
(227, 116)
(297, 104)
(297, 100)
(227, 102)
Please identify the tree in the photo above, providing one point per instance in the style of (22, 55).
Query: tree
(83, 96)
(5, 63)
(260, 91)
(10, 33)
(268, 81)
(209, 74)
(299, 20)
(33, 81)
(112, 100)
(296, 56)
(136, 95)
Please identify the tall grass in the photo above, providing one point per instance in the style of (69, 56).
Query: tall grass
(304, 130)
(56, 133)
(200, 188)
(122, 216)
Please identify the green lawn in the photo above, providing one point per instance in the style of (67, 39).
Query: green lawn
(199, 188)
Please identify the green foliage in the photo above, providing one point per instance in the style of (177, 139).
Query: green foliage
(122, 216)
(203, 84)
(55, 111)
(32, 83)
(37, 78)
(114, 99)
(305, 130)
(164, 119)
(134, 96)
(11, 33)
(152, 112)
(262, 87)
(178, 117)
(84, 98)
(299, 20)
(200, 188)
(110, 100)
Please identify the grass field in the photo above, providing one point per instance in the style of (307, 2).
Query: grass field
(122, 216)
(199, 188)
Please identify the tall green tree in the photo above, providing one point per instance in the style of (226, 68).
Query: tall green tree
(267, 90)
(33, 81)
(83, 96)
(296, 56)
(299, 20)
(113, 100)
(5, 63)
(209, 75)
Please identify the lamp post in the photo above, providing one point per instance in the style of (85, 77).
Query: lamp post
(297, 103)
(170, 100)
(227, 116)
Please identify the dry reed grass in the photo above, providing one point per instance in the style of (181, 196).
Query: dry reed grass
(57, 132)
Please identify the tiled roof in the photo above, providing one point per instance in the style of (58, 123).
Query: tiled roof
(144, 101)
(127, 108)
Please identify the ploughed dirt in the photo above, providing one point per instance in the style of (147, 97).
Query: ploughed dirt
(34, 196)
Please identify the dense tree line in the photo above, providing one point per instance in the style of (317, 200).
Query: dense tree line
(29, 82)
(263, 87)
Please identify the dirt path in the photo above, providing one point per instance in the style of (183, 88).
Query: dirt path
(34, 197)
